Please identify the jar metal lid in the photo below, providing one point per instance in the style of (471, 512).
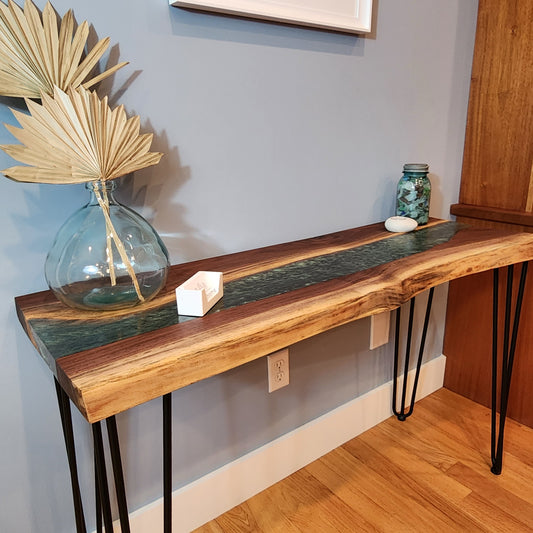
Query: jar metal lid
(416, 167)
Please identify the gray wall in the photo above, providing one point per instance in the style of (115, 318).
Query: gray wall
(271, 133)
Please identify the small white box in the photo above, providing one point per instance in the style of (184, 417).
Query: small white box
(199, 293)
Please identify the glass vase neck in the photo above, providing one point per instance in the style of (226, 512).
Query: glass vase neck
(101, 191)
(100, 185)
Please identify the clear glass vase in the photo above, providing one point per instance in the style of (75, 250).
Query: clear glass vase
(106, 256)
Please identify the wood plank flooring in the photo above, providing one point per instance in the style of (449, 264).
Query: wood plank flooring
(428, 474)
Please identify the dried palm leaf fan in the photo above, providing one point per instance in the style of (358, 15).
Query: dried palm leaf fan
(74, 137)
(37, 53)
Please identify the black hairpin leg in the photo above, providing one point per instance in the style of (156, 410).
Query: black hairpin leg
(103, 504)
(508, 353)
(66, 423)
(97, 499)
(401, 413)
(102, 492)
(167, 463)
(118, 474)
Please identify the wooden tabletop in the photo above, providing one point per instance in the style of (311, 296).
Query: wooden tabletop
(275, 296)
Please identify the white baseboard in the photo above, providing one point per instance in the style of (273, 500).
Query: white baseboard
(234, 483)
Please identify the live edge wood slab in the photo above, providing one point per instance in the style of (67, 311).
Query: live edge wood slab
(273, 297)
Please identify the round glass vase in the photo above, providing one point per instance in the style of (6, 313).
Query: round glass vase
(414, 193)
(106, 256)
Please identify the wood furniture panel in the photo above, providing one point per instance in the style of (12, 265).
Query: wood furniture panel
(498, 153)
(496, 189)
(494, 216)
(151, 352)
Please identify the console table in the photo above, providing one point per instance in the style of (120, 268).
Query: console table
(106, 363)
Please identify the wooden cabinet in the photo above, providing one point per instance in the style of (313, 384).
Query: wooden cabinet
(498, 153)
(496, 191)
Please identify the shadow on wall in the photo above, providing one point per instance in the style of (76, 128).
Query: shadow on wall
(105, 87)
(252, 31)
(436, 206)
(385, 204)
(36, 227)
(151, 193)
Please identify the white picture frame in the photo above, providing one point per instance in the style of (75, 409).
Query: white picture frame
(351, 16)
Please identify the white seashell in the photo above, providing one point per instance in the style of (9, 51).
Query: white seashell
(400, 224)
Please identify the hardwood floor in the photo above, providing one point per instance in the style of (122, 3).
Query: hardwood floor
(428, 474)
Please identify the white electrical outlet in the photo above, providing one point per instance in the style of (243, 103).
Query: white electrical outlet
(278, 369)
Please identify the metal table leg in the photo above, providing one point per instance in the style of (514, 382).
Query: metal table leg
(401, 413)
(66, 423)
(507, 358)
(97, 499)
(118, 474)
(103, 504)
(101, 478)
(102, 500)
(167, 463)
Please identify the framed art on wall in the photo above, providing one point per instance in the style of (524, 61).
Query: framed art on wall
(351, 16)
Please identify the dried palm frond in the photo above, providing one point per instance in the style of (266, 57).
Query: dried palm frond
(75, 137)
(37, 54)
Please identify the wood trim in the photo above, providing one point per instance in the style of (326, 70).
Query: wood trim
(494, 214)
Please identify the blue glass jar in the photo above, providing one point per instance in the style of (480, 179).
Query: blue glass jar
(414, 193)
(106, 256)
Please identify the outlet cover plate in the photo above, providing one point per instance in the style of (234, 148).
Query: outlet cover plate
(278, 369)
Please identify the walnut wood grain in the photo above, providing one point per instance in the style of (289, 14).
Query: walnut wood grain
(237, 265)
(115, 377)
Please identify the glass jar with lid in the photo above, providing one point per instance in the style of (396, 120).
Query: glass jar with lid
(414, 192)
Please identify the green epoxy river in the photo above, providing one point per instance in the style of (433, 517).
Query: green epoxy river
(60, 338)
